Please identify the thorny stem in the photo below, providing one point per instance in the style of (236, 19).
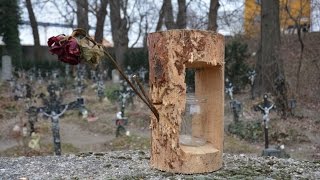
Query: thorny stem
(145, 99)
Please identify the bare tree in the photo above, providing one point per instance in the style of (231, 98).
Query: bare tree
(140, 20)
(166, 15)
(119, 27)
(161, 17)
(148, 21)
(213, 14)
(267, 62)
(182, 14)
(82, 14)
(297, 19)
(35, 31)
(101, 16)
(67, 11)
(196, 18)
(204, 15)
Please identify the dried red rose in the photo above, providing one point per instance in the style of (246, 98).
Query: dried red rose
(66, 47)
(76, 47)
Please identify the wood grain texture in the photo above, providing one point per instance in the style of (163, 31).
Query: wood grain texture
(170, 53)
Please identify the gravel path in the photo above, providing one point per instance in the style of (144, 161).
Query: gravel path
(134, 165)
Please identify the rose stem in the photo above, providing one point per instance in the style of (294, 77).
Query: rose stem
(141, 89)
(147, 102)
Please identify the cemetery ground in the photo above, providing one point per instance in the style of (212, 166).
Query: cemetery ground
(299, 133)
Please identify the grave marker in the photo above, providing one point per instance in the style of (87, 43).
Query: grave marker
(115, 76)
(6, 72)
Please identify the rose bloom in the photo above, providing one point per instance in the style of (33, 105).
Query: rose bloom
(66, 48)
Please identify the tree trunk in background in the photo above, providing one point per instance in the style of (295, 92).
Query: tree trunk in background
(270, 72)
(213, 14)
(101, 16)
(119, 29)
(268, 64)
(161, 17)
(168, 15)
(82, 14)
(35, 32)
(182, 15)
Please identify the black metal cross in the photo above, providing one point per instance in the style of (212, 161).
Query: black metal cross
(229, 88)
(21, 91)
(125, 94)
(251, 76)
(236, 107)
(93, 76)
(54, 109)
(265, 107)
(100, 88)
(80, 85)
(39, 76)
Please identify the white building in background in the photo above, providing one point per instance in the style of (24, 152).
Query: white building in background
(315, 16)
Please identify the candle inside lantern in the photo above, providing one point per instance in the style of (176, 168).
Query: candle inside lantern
(194, 112)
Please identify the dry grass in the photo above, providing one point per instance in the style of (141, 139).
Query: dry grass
(45, 149)
(234, 145)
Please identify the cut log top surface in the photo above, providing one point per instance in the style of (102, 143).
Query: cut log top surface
(196, 48)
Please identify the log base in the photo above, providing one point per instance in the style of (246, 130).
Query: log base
(201, 159)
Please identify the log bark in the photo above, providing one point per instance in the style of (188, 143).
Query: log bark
(170, 53)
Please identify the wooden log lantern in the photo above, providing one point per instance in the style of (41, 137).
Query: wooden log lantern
(170, 53)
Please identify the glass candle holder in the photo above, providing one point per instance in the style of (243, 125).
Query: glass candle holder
(192, 119)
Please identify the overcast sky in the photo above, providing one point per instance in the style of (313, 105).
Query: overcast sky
(49, 13)
(230, 20)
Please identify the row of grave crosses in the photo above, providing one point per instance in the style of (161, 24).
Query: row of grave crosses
(21, 89)
(236, 105)
(38, 75)
(53, 106)
(93, 75)
(264, 107)
(229, 88)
